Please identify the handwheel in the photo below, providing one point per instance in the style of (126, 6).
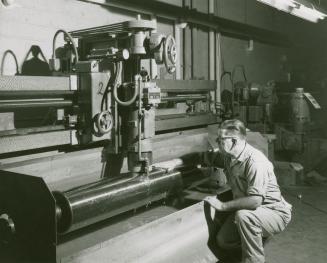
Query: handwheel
(170, 53)
(104, 122)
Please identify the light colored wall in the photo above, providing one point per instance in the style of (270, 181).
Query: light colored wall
(263, 62)
(34, 22)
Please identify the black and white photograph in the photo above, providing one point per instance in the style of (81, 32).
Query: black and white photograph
(152, 131)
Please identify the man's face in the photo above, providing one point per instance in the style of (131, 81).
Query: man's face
(225, 141)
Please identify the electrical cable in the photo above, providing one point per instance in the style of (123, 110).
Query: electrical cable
(106, 91)
(115, 88)
(70, 39)
(3, 61)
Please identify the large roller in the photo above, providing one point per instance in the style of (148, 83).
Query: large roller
(94, 202)
(51, 213)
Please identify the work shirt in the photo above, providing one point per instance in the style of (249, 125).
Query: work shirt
(251, 173)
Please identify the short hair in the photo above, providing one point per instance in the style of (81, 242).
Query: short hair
(234, 127)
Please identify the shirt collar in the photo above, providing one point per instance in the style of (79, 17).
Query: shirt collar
(243, 155)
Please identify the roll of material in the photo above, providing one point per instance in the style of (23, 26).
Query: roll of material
(91, 203)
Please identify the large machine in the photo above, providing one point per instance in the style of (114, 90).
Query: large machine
(104, 94)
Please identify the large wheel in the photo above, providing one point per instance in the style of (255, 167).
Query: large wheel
(103, 122)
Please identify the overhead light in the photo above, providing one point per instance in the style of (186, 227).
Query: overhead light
(308, 13)
(300, 8)
(8, 2)
(283, 5)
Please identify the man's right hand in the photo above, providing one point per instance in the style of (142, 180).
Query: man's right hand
(169, 165)
(214, 202)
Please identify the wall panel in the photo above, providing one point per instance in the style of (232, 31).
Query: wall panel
(261, 64)
(34, 22)
(231, 9)
(259, 14)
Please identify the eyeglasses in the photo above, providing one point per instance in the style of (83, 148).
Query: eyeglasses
(221, 139)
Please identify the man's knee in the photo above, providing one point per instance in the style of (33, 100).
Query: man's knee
(221, 241)
(247, 223)
(242, 216)
(245, 218)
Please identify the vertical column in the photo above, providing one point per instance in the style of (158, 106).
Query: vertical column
(211, 4)
(218, 67)
(194, 47)
(187, 47)
(153, 64)
(177, 35)
(211, 44)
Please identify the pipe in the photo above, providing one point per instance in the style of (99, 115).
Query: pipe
(36, 93)
(139, 119)
(33, 103)
(83, 206)
(212, 56)
(211, 44)
(218, 71)
(194, 50)
(184, 98)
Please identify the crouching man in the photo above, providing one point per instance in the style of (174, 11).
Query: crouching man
(257, 210)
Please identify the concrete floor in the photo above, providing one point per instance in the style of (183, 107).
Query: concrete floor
(303, 241)
(305, 238)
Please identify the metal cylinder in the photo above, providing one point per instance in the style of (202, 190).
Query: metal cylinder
(83, 206)
(185, 97)
(33, 103)
(116, 55)
(300, 111)
(137, 43)
(36, 94)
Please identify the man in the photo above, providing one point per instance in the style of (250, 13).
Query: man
(257, 209)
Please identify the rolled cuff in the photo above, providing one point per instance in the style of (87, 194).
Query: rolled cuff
(255, 191)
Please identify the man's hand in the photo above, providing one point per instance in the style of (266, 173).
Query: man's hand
(169, 165)
(214, 202)
(247, 202)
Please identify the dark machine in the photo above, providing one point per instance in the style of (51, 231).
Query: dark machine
(250, 102)
(104, 93)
